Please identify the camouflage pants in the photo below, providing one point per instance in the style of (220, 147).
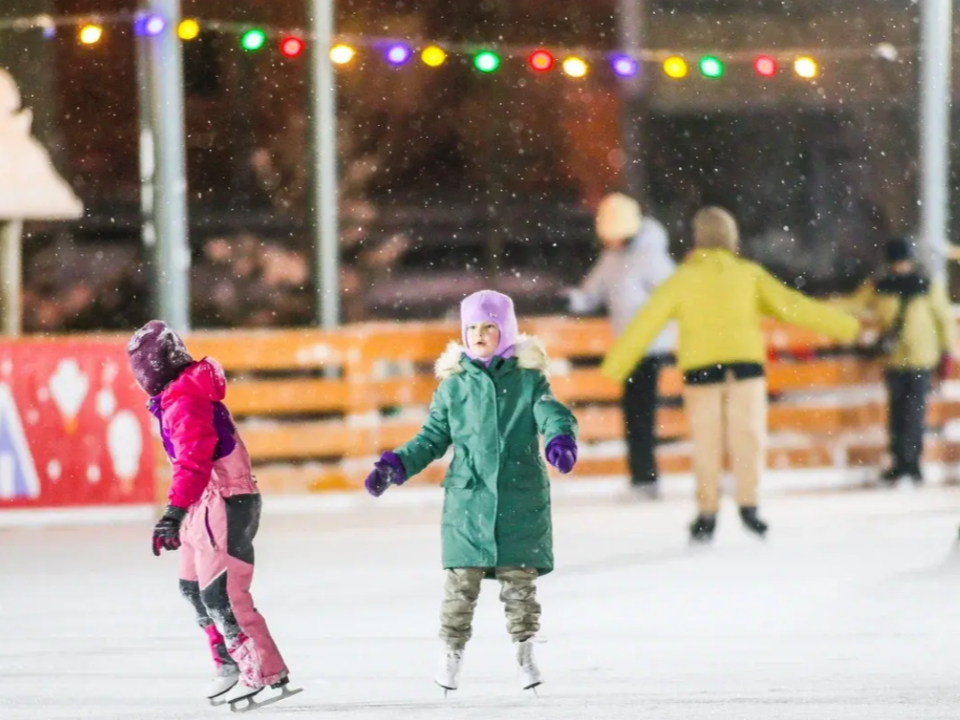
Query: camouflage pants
(518, 592)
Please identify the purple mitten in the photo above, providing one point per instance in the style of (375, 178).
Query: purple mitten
(562, 453)
(387, 471)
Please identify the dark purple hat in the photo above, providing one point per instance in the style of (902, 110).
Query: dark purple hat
(898, 249)
(157, 356)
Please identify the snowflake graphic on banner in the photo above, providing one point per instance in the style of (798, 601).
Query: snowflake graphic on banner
(18, 474)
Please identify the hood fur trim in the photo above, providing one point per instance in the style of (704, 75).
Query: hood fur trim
(529, 352)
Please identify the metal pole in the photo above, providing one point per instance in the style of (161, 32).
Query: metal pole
(322, 115)
(148, 165)
(165, 132)
(632, 106)
(936, 26)
(11, 280)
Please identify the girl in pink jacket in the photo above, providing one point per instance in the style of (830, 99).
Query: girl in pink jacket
(212, 516)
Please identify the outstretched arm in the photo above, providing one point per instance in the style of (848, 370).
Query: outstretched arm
(857, 302)
(590, 295)
(433, 439)
(645, 326)
(790, 306)
(553, 417)
(558, 425)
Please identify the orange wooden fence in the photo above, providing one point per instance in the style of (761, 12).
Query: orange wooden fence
(315, 407)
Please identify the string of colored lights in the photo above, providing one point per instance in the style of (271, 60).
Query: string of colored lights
(487, 58)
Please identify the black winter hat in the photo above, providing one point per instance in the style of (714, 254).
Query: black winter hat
(898, 249)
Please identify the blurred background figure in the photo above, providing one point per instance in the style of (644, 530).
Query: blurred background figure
(634, 261)
(916, 345)
(719, 301)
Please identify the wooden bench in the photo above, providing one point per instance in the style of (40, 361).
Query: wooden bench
(315, 408)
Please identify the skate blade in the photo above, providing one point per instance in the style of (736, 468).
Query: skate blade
(533, 688)
(446, 690)
(250, 703)
(221, 699)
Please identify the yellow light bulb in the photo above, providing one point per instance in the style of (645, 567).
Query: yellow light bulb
(806, 67)
(188, 29)
(675, 67)
(91, 34)
(342, 54)
(575, 67)
(433, 56)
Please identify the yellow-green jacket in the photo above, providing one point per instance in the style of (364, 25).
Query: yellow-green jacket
(718, 301)
(928, 327)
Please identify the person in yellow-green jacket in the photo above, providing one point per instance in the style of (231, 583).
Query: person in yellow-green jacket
(718, 301)
(916, 321)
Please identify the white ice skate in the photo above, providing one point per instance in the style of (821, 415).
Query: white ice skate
(224, 682)
(244, 697)
(530, 676)
(448, 671)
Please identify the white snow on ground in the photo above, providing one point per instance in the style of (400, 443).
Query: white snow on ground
(850, 610)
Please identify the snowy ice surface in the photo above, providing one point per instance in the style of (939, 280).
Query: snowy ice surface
(850, 610)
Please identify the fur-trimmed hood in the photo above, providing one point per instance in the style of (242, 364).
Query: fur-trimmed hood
(529, 352)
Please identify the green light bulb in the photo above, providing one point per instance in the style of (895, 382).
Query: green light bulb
(711, 67)
(486, 62)
(253, 40)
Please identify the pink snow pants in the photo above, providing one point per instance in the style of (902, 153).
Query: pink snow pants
(216, 570)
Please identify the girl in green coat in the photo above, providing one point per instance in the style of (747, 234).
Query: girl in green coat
(492, 405)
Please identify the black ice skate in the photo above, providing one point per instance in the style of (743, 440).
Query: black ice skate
(752, 522)
(245, 698)
(892, 475)
(702, 529)
(915, 474)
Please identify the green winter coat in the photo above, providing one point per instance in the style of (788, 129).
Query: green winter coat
(496, 509)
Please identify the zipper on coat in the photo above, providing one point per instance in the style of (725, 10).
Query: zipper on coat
(206, 523)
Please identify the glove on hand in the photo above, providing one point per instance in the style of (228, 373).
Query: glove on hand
(166, 534)
(387, 471)
(562, 453)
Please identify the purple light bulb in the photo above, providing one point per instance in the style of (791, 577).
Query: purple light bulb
(154, 25)
(625, 66)
(150, 25)
(398, 54)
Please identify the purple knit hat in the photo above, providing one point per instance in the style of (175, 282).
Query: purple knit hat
(157, 356)
(493, 307)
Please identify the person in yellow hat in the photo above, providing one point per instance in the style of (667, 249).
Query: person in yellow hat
(718, 301)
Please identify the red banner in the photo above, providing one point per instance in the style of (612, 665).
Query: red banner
(74, 430)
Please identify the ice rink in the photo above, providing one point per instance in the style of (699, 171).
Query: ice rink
(850, 610)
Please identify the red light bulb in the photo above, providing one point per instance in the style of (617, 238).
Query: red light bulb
(765, 66)
(541, 61)
(291, 47)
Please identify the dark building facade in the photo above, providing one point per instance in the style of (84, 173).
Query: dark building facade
(451, 178)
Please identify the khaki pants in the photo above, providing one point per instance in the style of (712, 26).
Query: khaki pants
(735, 411)
(518, 592)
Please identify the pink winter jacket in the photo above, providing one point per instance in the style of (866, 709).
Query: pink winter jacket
(200, 437)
